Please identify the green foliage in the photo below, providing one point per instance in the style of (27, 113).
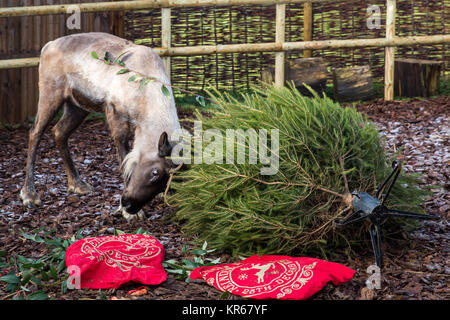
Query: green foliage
(326, 151)
(444, 86)
(42, 272)
(142, 78)
(136, 77)
(119, 61)
(94, 55)
(165, 91)
(132, 78)
(183, 270)
(29, 279)
(122, 71)
(118, 232)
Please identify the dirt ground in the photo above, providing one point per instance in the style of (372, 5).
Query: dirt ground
(418, 268)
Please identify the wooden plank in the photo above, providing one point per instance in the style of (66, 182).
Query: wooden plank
(117, 23)
(3, 73)
(13, 95)
(313, 45)
(27, 27)
(13, 45)
(166, 35)
(26, 73)
(4, 96)
(97, 26)
(417, 77)
(62, 22)
(353, 83)
(19, 63)
(10, 98)
(279, 39)
(307, 26)
(49, 22)
(390, 51)
(269, 47)
(310, 71)
(3, 34)
(37, 31)
(139, 5)
(90, 26)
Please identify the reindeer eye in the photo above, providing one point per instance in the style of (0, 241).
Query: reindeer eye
(154, 175)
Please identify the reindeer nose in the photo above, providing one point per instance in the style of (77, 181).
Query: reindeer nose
(125, 203)
(130, 205)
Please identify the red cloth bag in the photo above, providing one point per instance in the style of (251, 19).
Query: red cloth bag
(274, 277)
(109, 262)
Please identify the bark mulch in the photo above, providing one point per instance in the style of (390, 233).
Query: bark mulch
(415, 268)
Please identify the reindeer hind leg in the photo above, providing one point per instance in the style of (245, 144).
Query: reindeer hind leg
(69, 122)
(48, 106)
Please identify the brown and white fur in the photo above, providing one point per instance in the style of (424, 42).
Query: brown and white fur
(70, 78)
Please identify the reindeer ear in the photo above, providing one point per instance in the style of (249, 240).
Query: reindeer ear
(164, 147)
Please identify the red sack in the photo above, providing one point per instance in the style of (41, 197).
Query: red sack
(274, 277)
(108, 262)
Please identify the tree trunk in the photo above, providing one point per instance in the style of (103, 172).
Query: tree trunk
(417, 78)
(353, 84)
(311, 71)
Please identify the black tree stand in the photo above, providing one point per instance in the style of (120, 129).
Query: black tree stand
(367, 207)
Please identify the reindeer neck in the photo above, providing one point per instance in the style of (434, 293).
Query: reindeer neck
(146, 141)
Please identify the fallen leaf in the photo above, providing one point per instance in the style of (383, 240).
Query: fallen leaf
(141, 291)
(367, 294)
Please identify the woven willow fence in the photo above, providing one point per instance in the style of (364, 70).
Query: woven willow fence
(254, 24)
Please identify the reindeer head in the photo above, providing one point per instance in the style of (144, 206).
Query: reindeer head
(145, 176)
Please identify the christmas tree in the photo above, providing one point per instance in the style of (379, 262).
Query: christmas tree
(325, 152)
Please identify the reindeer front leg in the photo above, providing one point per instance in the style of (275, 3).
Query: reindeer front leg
(71, 119)
(120, 132)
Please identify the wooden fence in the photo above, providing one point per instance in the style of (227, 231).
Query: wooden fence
(280, 46)
(338, 20)
(22, 37)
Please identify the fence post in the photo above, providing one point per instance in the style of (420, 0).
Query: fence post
(166, 35)
(390, 51)
(279, 39)
(307, 26)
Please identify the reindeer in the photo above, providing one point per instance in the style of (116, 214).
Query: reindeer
(262, 270)
(71, 79)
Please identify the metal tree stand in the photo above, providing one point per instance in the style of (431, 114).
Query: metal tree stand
(367, 207)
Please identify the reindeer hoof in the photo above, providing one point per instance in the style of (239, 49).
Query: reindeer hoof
(130, 217)
(29, 198)
(80, 187)
(141, 215)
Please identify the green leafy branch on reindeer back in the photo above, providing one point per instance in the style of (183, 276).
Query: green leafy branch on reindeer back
(143, 79)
